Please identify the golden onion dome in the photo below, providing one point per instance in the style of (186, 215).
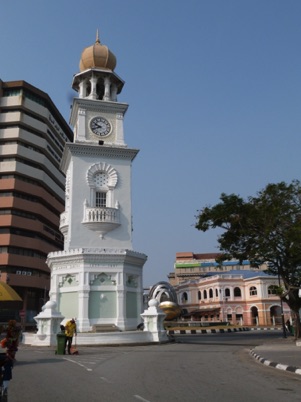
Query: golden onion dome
(97, 56)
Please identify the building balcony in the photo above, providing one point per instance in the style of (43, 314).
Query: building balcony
(101, 220)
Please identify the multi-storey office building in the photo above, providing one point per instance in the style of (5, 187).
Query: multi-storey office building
(32, 139)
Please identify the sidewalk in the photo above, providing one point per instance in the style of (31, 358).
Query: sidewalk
(282, 354)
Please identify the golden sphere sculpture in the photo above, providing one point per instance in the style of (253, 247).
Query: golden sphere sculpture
(165, 294)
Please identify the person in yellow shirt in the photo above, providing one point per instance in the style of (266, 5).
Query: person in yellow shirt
(70, 331)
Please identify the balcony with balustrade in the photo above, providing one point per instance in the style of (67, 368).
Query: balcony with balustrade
(101, 220)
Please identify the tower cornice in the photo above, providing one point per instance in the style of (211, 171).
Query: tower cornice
(96, 256)
(95, 150)
(97, 106)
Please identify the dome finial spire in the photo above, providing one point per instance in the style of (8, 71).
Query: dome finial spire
(97, 56)
(97, 36)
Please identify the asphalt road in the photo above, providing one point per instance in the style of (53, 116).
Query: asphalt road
(213, 367)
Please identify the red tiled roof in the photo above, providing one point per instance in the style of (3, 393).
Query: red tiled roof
(202, 256)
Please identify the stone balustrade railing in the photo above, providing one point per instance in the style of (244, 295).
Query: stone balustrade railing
(99, 215)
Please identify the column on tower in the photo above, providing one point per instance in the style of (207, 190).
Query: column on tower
(107, 83)
(114, 92)
(93, 81)
(82, 89)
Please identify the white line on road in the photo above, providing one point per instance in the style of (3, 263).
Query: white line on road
(79, 364)
(140, 398)
(105, 380)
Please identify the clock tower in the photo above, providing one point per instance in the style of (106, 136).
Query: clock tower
(98, 276)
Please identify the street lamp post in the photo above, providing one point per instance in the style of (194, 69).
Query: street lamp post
(222, 302)
(223, 299)
(281, 309)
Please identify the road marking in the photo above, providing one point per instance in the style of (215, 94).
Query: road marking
(105, 380)
(79, 364)
(140, 398)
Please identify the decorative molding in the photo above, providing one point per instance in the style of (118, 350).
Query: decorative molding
(131, 281)
(102, 167)
(68, 281)
(94, 150)
(100, 107)
(102, 279)
(95, 250)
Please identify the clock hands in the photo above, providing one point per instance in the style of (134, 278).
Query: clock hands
(99, 124)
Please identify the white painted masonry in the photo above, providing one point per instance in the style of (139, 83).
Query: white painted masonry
(98, 277)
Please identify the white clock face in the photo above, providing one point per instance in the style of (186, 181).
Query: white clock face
(100, 126)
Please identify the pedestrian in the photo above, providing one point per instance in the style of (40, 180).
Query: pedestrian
(11, 340)
(70, 331)
(288, 327)
(6, 366)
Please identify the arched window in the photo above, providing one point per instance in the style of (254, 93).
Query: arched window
(227, 292)
(216, 292)
(237, 292)
(184, 297)
(253, 291)
(210, 293)
(205, 294)
(199, 295)
(272, 289)
(102, 179)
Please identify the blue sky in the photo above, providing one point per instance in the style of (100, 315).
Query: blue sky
(214, 91)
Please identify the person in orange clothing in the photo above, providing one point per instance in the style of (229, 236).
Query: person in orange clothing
(70, 331)
(12, 338)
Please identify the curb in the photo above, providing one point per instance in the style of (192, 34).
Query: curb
(205, 331)
(279, 366)
(217, 331)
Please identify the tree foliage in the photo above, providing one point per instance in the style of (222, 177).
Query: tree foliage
(262, 229)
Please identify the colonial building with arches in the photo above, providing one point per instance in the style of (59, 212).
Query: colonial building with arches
(240, 297)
